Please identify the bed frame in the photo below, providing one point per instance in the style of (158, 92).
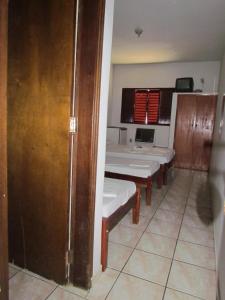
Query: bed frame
(141, 182)
(110, 222)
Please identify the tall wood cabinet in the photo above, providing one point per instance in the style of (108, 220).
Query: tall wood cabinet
(194, 130)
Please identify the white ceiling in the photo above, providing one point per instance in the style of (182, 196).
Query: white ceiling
(173, 30)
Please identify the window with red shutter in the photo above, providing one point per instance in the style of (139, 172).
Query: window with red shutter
(146, 105)
(153, 106)
(140, 107)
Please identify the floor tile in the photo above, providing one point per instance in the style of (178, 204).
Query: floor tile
(102, 286)
(118, 255)
(75, 290)
(61, 294)
(39, 277)
(13, 271)
(193, 211)
(175, 295)
(177, 207)
(157, 244)
(193, 280)
(195, 254)
(124, 235)
(203, 222)
(25, 287)
(143, 222)
(168, 216)
(199, 200)
(132, 288)
(196, 236)
(164, 228)
(147, 211)
(148, 266)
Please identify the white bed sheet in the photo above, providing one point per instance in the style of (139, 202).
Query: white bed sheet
(133, 167)
(116, 193)
(162, 155)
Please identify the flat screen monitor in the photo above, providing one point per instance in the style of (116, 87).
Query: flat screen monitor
(144, 135)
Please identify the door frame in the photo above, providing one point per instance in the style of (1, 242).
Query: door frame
(3, 151)
(86, 97)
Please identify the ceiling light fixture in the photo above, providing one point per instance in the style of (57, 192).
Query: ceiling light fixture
(138, 31)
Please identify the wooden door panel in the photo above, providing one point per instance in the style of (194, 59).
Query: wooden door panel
(40, 81)
(3, 160)
(202, 138)
(186, 106)
(87, 91)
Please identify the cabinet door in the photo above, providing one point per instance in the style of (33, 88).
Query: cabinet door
(165, 106)
(127, 107)
(186, 108)
(202, 137)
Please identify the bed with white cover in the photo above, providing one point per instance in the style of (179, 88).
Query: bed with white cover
(119, 197)
(164, 156)
(141, 172)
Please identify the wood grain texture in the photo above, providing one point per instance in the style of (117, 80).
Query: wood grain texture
(194, 130)
(40, 81)
(3, 150)
(185, 120)
(202, 137)
(88, 71)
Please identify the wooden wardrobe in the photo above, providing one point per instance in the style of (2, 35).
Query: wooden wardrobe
(194, 130)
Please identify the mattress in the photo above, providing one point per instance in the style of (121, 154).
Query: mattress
(116, 193)
(161, 155)
(133, 167)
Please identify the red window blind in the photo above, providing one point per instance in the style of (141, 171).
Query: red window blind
(153, 106)
(140, 109)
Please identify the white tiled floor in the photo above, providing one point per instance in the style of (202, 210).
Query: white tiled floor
(169, 255)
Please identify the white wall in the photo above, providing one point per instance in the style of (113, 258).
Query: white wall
(106, 59)
(158, 75)
(217, 180)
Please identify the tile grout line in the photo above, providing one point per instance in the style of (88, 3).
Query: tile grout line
(177, 240)
(51, 293)
(121, 271)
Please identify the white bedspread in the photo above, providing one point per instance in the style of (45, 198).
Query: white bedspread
(133, 167)
(116, 193)
(161, 155)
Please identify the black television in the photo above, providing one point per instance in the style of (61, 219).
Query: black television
(145, 135)
(184, 85)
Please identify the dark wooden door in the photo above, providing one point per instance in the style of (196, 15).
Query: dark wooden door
(39, 96)
(185, 121)
(3, 161)
(194, 130)
(54, 74)
(203, 131)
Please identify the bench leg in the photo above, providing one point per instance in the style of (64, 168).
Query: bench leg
(104, 248)
(136, 208)
(149, 191)
(165, 171)
(160, 177)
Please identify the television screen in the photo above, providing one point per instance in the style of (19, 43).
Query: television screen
(184, 84)
(144, 135)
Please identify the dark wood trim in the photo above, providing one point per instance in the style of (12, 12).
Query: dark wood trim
(88, 71)
(3, 151)
(109, 223)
